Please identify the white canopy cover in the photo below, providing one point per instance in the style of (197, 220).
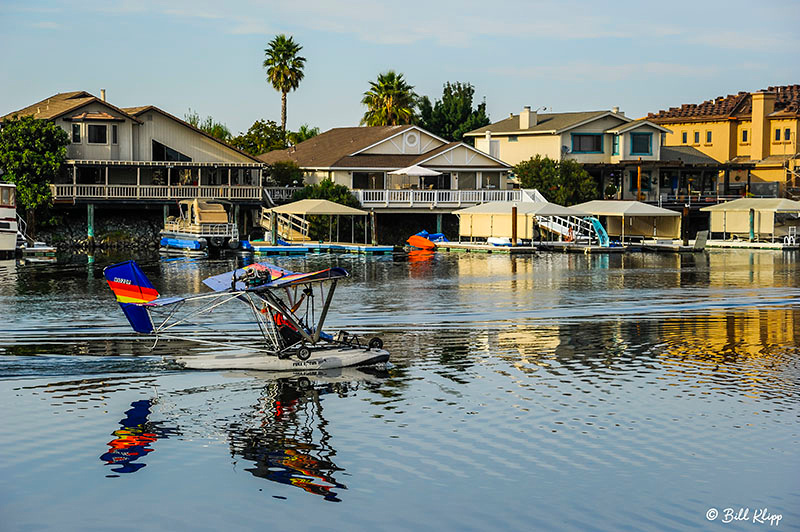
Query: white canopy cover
(415, 171)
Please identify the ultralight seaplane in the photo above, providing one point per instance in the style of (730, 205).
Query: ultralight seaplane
(289, 340)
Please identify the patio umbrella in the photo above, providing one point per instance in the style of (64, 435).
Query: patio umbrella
(415, 171)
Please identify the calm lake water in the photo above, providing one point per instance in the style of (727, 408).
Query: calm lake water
(551, 392)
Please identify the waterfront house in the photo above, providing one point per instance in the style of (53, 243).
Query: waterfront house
(141, 154)
(612, 147)
(757, 132)
(370, 161)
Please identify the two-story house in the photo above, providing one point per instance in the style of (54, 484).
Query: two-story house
(627, 157)
(383, 165)
(756, 131)
(141, 154)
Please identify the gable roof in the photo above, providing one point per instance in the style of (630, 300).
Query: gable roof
(633, 124)
(61, 104)
(787, 102)
(545, 123)
(141, 109)
(686, 155)
(326, 149)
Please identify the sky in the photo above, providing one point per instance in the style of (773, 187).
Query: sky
(560, 56)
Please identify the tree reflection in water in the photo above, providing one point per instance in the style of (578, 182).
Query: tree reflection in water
(280, 432)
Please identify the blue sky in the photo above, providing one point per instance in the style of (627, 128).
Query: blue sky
(564, 55)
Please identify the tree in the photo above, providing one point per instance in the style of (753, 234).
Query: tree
(328, 190)
(390, 101)
(304, 133)
(453, 115)
(564, 182)
(286, 173)
(284, 69)
(261, 137)
(215, 129)
(32, 154)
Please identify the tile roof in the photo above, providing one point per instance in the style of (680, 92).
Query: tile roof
(326, 149)
(787, 101)
(546, 122)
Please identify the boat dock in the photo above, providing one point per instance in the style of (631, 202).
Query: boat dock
(565, 247)
(264, 248)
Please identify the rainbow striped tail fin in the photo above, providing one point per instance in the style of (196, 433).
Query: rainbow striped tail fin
(133, 290)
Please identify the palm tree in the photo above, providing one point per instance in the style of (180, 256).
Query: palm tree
(284, 69)
(390, 101)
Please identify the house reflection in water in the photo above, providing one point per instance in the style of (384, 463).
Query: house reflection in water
(133, 439)
(279, 437)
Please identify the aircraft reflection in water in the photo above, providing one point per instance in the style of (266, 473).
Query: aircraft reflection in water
(289, 418)
(132, 441)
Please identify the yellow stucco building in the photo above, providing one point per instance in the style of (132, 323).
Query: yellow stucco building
(758, 130)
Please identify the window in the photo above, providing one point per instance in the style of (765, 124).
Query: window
(114, 138)
(787, 134)
(684, 138)
(634, 181)
(512, 138)
(76, 133)
(7, 196)
(97, 133)
(165, 153)
(744, 136)
(697, 137)
(641, 143)
(777, 135)
(587, 143)
(708, 137)
(615, 145)
(370, 180)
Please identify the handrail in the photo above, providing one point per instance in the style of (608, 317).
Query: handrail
(71, 191)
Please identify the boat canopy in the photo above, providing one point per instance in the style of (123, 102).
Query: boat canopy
(319, 207)
(203, 212)
(535, 208)
(634, 218)
(756, 204)
(623, 208)
(771, 216)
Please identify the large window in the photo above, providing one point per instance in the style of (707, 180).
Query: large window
(7, 196)
(97, 133)
(587, 143)
(641, 143)
(634, 181)
(165, 153)
(368, 180)
(76, 133)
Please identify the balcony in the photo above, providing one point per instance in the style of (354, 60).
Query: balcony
(72, 192)
(442, 200)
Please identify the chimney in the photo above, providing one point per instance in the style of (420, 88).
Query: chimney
(527, 118)
(615, 110)
(488, 136)
(763, 105)
(103, 94)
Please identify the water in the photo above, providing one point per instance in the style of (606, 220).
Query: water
(552, 392)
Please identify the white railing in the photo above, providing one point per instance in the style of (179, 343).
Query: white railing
(280, 194)
(209, 230)
(158, 192)
(404, 198)
(289, 226)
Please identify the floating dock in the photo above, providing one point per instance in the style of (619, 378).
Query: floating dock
(565, 247)
(265, 248)
(745, 244)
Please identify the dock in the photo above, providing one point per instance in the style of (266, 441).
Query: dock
(564, 247)
(745, 244)
(264, 248)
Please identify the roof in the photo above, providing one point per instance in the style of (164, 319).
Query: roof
(757, 204)
(536, 208)
(623, 208)
(326, 149)
(340, 147)
(545, 123)
(61, 104)
(787, 101)
(317, 207)
(141, 109)
(634, 124)
(686, 155)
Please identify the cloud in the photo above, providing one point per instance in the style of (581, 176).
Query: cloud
(581, 72)
(46, 25)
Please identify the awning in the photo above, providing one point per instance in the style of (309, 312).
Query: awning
(756, 204)
(535, 208)
(317, 207)
(623, 208)
(415, 171)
